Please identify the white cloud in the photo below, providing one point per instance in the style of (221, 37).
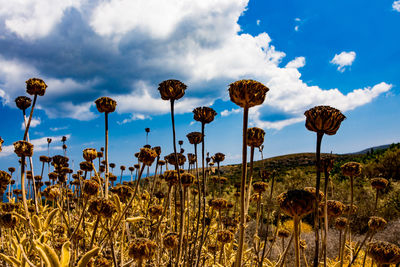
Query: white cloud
(396, 5)
(226, 112)
(297, 19)
(134, 117)
(296, 28)
(296, 63)
(34, 122)
(39, 145)
(343, 59)
(55, 129)
(33, 19)
(258, 22)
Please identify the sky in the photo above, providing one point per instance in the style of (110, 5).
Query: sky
(345, 54)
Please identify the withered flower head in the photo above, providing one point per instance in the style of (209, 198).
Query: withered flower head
(324, 119)
(86, 166)
(218, 203)
(260, 187)
(172, 89)
(137, 166)
(60, 160)
(212, 248)
(102, 207)
(8, 207)
(105, 104)
(131, 169)
(283, 233)
(147, 156)
(89, 154)
(112, 165)
(99, 154)
(171, 177)
(340, 223)
(11, 169)
(379, 183)
(191, 158)
(351, 169)
(7, 220)
(383, 252)
(49, 140)
(195, 138)
(327, 164)
(5, 178)
(204, 114)
(53, 176)
(219, 157)
(51, 192)
(23, 149)
(1, 143)
(44, 159)
(171, 240)
(187, 179)
(124, 192)
(335, 208)
(35, 86)
(296, 202)
(255, 137)
(313, 191)
(157, 149)
(155, 211)
(90, 187)
(376, 223)
(122, 167)
(23, 102)
(224, 236)
(142, 249)
(247, 93)
(347, 209)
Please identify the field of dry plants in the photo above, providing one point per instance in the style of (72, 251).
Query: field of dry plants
(184, 215)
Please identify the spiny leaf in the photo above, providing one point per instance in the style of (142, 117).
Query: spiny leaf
(135, 219)
(85, 258)
(11, 260)
(42, 253)
(117, 203)
(65, 254)
(36, 223)
(52, 255)
(50, 217)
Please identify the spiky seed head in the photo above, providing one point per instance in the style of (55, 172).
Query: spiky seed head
(296, 202)
(335, 208)
(105, 104)
(376, 223)
(260, 187)
(90, 187)
(379, 183)
(187, 179)
(313, 191)
(172, 89)
(89, 154)
(147, 156)
(23, 149)
(51, 192)
(247, 93)
(225, 236)
(351, 169)
(204, 114)
(324, 119)
(283, 233)
(35, 86)
(255, 137)
(23, 102)
(340, 223)
(86, 166)
(383, 252)
(142, 249)
(195, 138)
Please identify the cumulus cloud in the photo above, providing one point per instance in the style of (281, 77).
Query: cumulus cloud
(258, 22)
(134, 117)
(39, 144)
(343, 60)
(226, 112)
(396, 6)
(34, 122)
(127, 47)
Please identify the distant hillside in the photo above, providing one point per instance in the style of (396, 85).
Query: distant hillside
(375, 148)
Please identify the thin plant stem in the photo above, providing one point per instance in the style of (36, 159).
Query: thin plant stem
(107, 174)
(318, 180)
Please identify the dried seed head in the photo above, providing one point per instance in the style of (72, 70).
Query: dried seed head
(225, 236)
(51, 192)
(102, 207)
(23, 102)
(283, 233)
(172, 89)
(195, 138)
(335, 208)
(327, 164)
(219, 157)
(105, 104)
(23, 149)
(7, 220)
(59, 160)
(124, 192)
(376, 223)
(383, 252)
(218, 203)
(296, 202)
(340, 223)
(379, 183)
(147, 156)
(90, 187)
(324, 119)
(255, 137)
(353, 210)
(187, 179)
(157, 149)
(11, 169)
(35, 86)
(86, 166)
(172, 160)
(260, 187)
(171, 177)
(204, 114)
(89, 154)
(351, 169)
(155, 211)
(142, 249)
(171, 240)
(247, 93)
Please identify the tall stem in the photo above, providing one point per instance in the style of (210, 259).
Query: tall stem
(24, 195)
(106, 155)
(316, 217)
(325, 215)
(239, 254)
(30, 118)
(296, 240)
(182, 217)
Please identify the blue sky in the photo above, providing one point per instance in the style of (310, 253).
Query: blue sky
(339, 53)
